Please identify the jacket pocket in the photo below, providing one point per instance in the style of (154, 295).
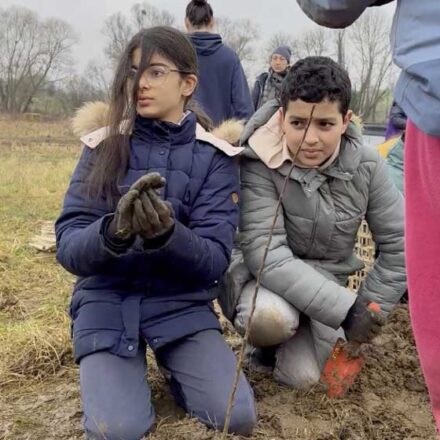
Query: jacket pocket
(91, 310)
(299, 234)
(345, 234)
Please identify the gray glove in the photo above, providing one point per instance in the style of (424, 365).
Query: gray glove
(152, 216)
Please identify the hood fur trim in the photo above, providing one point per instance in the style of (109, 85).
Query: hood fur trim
(230, 131)
(90, 117)
(90, 125)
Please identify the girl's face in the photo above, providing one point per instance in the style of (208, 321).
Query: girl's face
(324, 133)
(163, 89)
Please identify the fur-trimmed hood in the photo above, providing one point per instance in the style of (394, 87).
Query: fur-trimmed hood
(90, 124)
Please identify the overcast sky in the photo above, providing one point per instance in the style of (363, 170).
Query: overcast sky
(87, 17)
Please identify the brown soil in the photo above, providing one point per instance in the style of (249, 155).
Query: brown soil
(389, 402)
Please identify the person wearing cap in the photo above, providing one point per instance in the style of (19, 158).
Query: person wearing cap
(268, 84)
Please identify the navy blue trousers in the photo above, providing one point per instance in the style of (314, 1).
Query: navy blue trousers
(116, 397)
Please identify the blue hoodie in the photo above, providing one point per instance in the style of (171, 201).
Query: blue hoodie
(223, 91)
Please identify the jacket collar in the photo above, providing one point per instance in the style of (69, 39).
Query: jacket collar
(152, 130)
(93, 115)
(265, 142)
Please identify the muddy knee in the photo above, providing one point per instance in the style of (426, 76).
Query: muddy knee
(274, 320)
(270, 327)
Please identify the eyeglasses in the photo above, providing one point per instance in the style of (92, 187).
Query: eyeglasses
(156, 74)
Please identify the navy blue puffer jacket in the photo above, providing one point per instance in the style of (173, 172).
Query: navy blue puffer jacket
(160, 294)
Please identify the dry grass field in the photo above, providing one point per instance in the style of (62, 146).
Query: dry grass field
(39, 387)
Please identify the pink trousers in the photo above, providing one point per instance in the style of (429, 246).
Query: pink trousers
(422, 216)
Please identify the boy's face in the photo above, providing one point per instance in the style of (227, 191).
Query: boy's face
(323, 135)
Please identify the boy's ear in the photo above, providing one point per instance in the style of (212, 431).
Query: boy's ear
(189, 85)
(346, 120)
(282, 119)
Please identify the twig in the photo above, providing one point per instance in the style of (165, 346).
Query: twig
(245, 338)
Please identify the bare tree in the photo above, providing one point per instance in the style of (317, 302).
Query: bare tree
(240, 35)
(145, 15)
(370, 60)
(313, 43)
(32, 53)
(78, 89)
(118, 32)
(99, 77)
(363, 50)
(119, 29)
(339, 41)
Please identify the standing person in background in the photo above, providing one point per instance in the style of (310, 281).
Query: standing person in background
(416, 50)
(223, 91)
(268, 84)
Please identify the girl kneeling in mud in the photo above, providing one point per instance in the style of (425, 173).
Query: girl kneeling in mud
(147, 226)
(303, 305)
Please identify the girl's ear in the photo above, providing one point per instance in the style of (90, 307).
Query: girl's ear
(189, 84)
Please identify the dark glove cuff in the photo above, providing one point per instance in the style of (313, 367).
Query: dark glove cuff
(111, 241)
(160, 241)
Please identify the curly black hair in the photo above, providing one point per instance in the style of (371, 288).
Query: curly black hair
(314, 79)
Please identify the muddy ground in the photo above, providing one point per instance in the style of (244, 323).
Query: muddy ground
(389, 402)
(39, 390)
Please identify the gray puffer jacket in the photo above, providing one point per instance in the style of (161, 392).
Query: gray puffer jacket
(311, 255)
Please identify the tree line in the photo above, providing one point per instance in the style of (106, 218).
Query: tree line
(36, 72)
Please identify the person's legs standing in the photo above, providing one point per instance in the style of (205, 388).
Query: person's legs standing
(422, 214)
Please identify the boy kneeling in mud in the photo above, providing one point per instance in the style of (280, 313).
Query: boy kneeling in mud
(303, 305)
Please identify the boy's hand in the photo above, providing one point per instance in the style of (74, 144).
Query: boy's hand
(362, 324)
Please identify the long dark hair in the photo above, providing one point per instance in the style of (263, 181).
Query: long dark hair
(199, 13)
(112, 156)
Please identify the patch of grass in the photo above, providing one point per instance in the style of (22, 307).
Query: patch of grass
(13, 128)
(35, 347)
(34, 290)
